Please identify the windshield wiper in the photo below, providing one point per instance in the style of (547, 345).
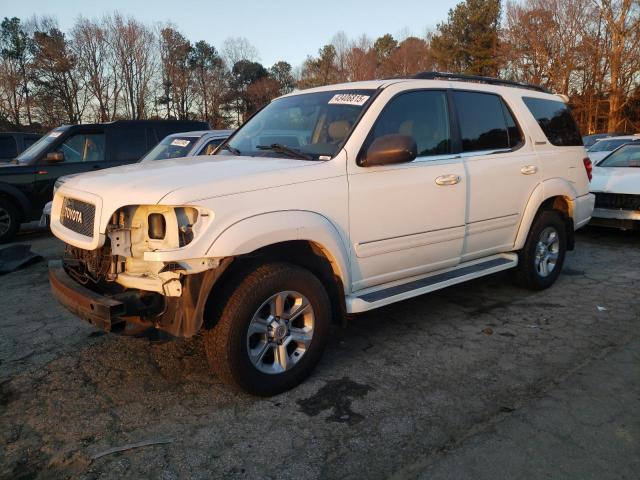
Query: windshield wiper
(278, 147)
(233, 150)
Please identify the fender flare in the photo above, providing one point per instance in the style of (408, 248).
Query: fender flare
(20, 198)
(266, 229)
(554, 187)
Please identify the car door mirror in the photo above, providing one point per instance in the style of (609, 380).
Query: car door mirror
(390, 149)
(54, 157)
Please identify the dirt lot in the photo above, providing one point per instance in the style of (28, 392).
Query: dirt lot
(398, 392)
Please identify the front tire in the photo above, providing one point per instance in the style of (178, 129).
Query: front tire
(541, 259)
(271, 331)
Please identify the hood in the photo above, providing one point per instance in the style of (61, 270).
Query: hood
(188, 179)
(616, 180)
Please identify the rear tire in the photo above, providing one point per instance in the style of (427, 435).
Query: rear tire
(271, 331)
(540, 260)
(9, 220)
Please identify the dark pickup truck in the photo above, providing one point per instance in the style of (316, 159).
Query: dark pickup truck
(26, 184)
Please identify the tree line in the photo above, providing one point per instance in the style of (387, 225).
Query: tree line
(117, 67)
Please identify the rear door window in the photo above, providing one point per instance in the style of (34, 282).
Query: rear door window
(8, 147)
(486, 123)
(555, 120)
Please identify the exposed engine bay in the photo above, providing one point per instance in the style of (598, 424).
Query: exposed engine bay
(162, 295)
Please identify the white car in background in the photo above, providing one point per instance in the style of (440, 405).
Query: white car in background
(616, 185)
(605, 146)
(187, 144)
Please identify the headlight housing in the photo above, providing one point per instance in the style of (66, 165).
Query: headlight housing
(146, 228)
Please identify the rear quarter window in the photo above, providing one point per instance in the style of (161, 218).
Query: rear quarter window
(555, 120)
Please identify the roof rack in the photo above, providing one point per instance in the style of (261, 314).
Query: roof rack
(477, 78)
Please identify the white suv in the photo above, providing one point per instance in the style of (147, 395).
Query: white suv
(328, 201)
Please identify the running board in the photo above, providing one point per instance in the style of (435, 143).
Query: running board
(381, 295)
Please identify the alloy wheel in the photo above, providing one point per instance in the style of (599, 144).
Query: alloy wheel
(280, 332)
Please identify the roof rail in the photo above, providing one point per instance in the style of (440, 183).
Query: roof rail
(476, 78)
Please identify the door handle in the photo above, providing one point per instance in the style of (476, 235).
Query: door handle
(529, 170)
(450, 179)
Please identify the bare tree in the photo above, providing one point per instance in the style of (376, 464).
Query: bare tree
(15, 71)
(59, 88)
(622, 20)
(97, 64)
(211, 83)
(235, 49)
(136, 59)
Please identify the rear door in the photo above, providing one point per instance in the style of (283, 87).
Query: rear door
(502, 171)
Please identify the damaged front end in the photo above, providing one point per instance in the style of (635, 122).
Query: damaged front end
(117, 290)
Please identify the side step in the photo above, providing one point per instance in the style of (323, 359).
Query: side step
(381, 295)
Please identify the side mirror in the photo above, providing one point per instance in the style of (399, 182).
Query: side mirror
(390, 149)
(54, 157)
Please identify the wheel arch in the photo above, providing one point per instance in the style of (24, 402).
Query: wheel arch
(15, 196)
(553, 194)
(268, 230)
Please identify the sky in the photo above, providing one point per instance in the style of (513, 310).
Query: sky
(280, 29)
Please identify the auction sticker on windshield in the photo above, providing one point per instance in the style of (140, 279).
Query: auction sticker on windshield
(179, 142)
(348, 99)
(55, 134)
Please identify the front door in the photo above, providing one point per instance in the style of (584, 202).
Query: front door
(81, 152)
(408, 219)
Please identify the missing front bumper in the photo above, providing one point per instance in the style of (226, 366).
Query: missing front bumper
(99, 310)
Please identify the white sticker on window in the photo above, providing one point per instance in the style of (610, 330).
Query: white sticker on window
(180, 142)
(55, 134)
(349, 99)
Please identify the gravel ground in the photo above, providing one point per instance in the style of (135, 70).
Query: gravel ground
(399, 389)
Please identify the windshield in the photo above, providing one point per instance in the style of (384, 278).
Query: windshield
(627, 156)
(309, 126)
(608, 145)
(171, 147)
(36, 150)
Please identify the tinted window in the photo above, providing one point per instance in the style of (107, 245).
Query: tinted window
(485, 122)
(555, 120)
(627, 156)
(8, 147)
(515, 136)
(129, 145)
(83, 147)
(422, 115)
